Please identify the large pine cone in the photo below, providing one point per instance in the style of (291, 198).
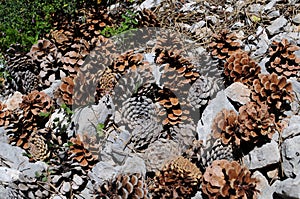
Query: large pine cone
(178, 179)
(283, 60)
(256, 124)
(124, 186)
(38, 147)
(146, 18)
(224, 45)
(239, 67)
(224, 179)
(225, 126)
(275, 91)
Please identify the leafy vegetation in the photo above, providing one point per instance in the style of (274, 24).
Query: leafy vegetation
(24, 21)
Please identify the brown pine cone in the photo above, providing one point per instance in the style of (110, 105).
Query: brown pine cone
(224, 45)
(225, 126)
(239, 67)
(124, 186)
(178, 179)
(283, 60)
(146, 18)
(65, 91)
(274, 91)
(225, 179)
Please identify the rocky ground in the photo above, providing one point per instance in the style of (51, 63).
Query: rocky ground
(201, 100)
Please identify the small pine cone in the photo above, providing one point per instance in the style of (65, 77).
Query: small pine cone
(124, 186)
(202, 91)
(127, 60)
(43, 52)
(178, 179)
(146, 18)
(80, 154)
(283, 60)
(239, 67)
(38, 147)
(159, 153)
(224, 45)
(204, 155)
(256, 123)
(275, 91)
(105, 84)
(4, 115)
(65, 91)
(225, 179)
(225, 126)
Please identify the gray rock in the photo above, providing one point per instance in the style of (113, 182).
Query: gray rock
(237, 25)
(148, 4)
(238, 92)
(103, 171)
(8, 175)
(4, 193)
(265, 190)
(262, 65)
(88, 118)
(293, 129)
(15, 160)
(255, 8)
(261, 157)
(263, 43)
(50, 91)
(213, 108)
(276, 25)
(197, 26)
(296, 19)
(188, 7)
(198, 195)
(134, 165)
(291, 156)
(270, 5)
(287, 189)
(274, 14)
(3, 136)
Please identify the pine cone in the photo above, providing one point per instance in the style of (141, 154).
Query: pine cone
(275, 91)
(224, 179)
(65, 91)
(124, 186)
(224, 45)
(283, 60)
(80, 154)
(159, 153)
(256, 123)
(22, 75)
(146, 18)
(4, 115)
(225, 126)
(178, 179)
(38, 147)
(239, 67)
(204, 155)
(201, 92)
(62, 37)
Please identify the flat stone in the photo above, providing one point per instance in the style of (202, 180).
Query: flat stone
(103, 171)
(290, 151)
(293, 128)
(296, 19)
(276, 25)
(265, 190)
(238, 92)
(219, 103)
(287, 189)
(134, 165)
(261, 157)
(8, 175)
(274, 14)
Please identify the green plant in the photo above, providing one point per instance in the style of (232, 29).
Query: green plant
(23, 21)
(129, 23)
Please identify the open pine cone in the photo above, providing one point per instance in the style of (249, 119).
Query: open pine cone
(256, 124)
(178, 179)
(146, 18)
(225, 126)
(239, 67)
(124, 186)
(225, 179)
(224, 45)
(80, 154)
(283, 60)
(275, 91)
(65, 91)
(4, 115)
(38, 147)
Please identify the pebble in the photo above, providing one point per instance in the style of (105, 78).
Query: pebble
(276, 25)
(291, 156)
(296, 19)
